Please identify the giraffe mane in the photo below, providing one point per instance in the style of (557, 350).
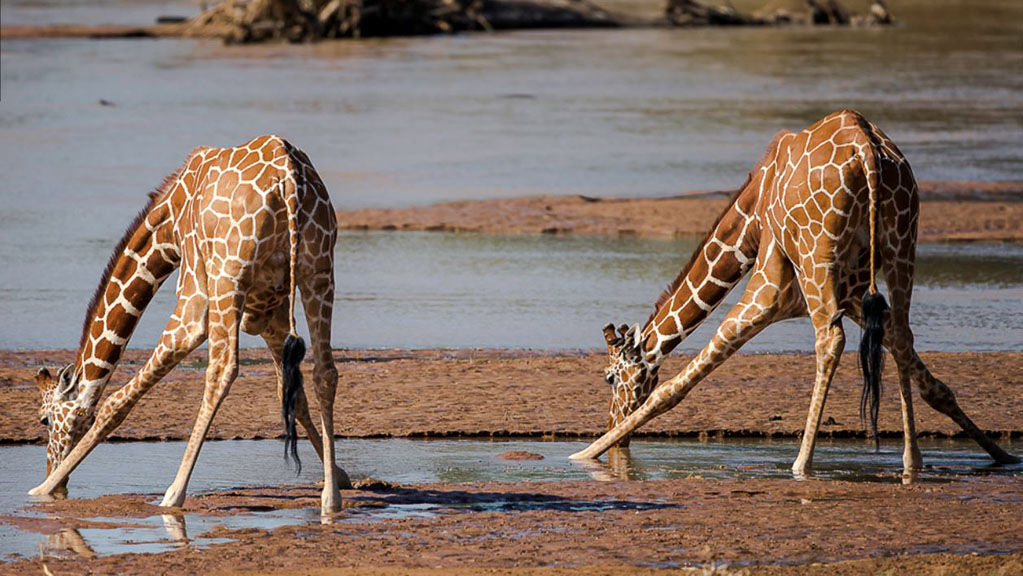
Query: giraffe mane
(155, 196)
(734, 196)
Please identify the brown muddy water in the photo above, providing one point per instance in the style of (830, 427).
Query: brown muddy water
(235, 464)
(410, 121)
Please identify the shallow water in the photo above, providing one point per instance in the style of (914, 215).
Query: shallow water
(423, 290)
(149, 467)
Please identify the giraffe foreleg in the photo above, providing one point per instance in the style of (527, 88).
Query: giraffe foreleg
(185, 331)
(769, 297)
(220, 374)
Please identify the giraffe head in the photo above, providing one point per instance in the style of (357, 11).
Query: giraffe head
(631, 377)
(60, 414)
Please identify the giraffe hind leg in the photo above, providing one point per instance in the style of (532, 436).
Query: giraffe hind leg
(317, 291)
(940, 397)
(274, 335)
(830, 341)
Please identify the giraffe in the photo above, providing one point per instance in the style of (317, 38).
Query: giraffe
(248, 227)
(819, 216)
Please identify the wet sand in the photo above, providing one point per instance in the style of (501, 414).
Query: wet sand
(949, 212)
(520, 393)
(778, 527)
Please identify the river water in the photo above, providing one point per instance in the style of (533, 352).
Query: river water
(409, 121)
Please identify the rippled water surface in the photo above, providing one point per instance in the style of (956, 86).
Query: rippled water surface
(422, 290)
(409, 121)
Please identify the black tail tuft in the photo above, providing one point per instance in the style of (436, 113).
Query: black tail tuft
(872, 358)
(294, 351)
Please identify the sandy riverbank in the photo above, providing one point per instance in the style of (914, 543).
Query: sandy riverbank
(776, 527)
(509, 393)
(949, 212)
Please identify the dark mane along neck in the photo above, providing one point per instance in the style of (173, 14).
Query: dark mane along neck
(714, 268)
(130, 232)
(697, 255)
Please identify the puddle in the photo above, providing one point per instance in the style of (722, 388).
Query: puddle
(148, 467)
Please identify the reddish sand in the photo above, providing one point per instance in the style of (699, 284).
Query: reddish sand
(774, 527)
(949, 212)
(482, 393)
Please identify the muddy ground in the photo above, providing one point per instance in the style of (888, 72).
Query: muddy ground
(517, 393)
(949, 212)
(587, 528)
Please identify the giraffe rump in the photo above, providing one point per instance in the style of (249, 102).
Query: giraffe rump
(155, 196)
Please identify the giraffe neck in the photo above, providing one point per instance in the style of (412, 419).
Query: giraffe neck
(143, 259)
(720, 262)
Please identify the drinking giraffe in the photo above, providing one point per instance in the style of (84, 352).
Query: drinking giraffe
(248, 227)
(820, 215)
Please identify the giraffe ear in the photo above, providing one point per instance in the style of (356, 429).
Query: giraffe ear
(610, 336)
(632, 336)
(44, 379)
(65, 383)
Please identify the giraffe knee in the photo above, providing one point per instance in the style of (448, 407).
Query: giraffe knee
(830, 339)
(326, 378)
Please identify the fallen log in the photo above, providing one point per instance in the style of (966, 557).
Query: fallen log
(249, 21)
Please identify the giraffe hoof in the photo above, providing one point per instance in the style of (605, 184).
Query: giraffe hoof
(1009, 459)
(39, 490)
(802, 472)
(172, 499)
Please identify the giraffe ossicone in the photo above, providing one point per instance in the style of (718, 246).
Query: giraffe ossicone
(820, 215)
(250, 228)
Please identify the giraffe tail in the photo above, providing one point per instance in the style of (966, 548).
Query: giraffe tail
(294, 351)
(874, 305)
(294, 346)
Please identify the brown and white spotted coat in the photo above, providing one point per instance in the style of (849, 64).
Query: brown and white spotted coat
(247, 227)
(800, 223)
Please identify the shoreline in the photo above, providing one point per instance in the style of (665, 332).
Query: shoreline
(526, 394)
(950, 211)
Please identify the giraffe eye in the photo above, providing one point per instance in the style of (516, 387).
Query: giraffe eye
(610, 378)
(45, 421)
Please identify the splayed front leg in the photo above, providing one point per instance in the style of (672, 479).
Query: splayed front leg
(768, 298)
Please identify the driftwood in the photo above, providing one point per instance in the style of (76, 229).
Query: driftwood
(302, 20)
(798, 12)
(296, 20)
(241, 21)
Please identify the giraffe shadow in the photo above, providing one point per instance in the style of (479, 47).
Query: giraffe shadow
(425, 501)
